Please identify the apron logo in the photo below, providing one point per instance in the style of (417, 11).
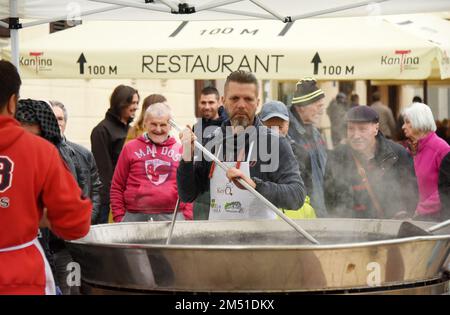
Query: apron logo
(234, 206)
(157, 171)
(228, 190)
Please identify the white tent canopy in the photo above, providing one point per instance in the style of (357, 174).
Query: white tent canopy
(390, 48)
(44, 11)
(211, 10)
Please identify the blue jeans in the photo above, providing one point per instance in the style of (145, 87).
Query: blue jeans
(103, 214)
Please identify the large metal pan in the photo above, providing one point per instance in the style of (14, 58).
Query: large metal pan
(258, 256)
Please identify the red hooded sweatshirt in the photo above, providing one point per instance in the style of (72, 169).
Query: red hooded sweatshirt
(32, 175)
(145, 179)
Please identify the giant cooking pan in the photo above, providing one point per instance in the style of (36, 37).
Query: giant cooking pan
(258, 256)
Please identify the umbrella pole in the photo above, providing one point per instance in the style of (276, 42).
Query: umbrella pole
(14, 32)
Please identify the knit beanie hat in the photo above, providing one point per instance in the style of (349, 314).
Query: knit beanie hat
(307, 92)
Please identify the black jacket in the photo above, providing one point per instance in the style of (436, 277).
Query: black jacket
(82, 166)
(391, 175)
(210, 124)
(107, 139)
(88, 177)
(282, 186)
(444, 187)
(201, 205)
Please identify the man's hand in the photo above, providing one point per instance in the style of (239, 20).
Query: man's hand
(187, 138)
(45, 223)
(233, 174)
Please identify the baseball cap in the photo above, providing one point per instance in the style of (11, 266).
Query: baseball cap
(274, 109)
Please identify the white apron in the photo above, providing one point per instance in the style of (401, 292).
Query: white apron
(50, 288)
(229, 202)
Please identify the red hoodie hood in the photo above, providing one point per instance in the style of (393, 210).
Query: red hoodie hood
(169, 142)
(9, 134)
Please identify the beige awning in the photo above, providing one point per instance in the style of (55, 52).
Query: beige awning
(328, 49)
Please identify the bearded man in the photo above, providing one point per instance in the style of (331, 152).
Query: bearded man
(252, 151)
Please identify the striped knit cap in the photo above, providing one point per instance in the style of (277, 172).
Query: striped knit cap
(307, 92)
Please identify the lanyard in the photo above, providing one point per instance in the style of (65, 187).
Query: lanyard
(239, 159)
(366, 183)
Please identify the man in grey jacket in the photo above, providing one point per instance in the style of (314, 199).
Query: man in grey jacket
(86, 174)
(241, 138)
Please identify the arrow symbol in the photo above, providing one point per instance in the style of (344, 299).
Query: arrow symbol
(81, 60)
(316, 60)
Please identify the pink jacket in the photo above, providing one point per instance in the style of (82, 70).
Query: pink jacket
(430, 152)
(145, 179)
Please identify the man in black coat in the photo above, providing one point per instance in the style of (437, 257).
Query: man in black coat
(369, 176)
(84, 169)
(108, 138)
(86, 172)
(212, 115)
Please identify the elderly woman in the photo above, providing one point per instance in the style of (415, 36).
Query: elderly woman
(144, 185)
(428, 151)
(138, 128)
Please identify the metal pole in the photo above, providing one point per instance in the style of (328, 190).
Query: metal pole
(335, 9)
(214, 4)
(243, 13)
(425, 91)
(438, 226)
(170, 5)
(368, 92)
(64, 17)
(268, 10)
(172, 224)
(251, 189)
(126, 4)
(13, 12)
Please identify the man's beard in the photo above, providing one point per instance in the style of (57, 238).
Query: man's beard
(208, 114)
(242, 121)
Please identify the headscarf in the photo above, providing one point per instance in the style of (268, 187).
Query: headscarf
(39, 112)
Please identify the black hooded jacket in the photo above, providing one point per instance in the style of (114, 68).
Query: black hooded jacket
(107, 140)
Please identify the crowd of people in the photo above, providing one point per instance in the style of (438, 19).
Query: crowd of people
(138, 171)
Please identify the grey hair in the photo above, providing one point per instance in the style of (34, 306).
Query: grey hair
(420, 116)
(60, 105)
(158, 110)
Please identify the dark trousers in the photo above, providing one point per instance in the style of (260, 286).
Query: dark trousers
(64, 273)
(103, 215)
(144, 217)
